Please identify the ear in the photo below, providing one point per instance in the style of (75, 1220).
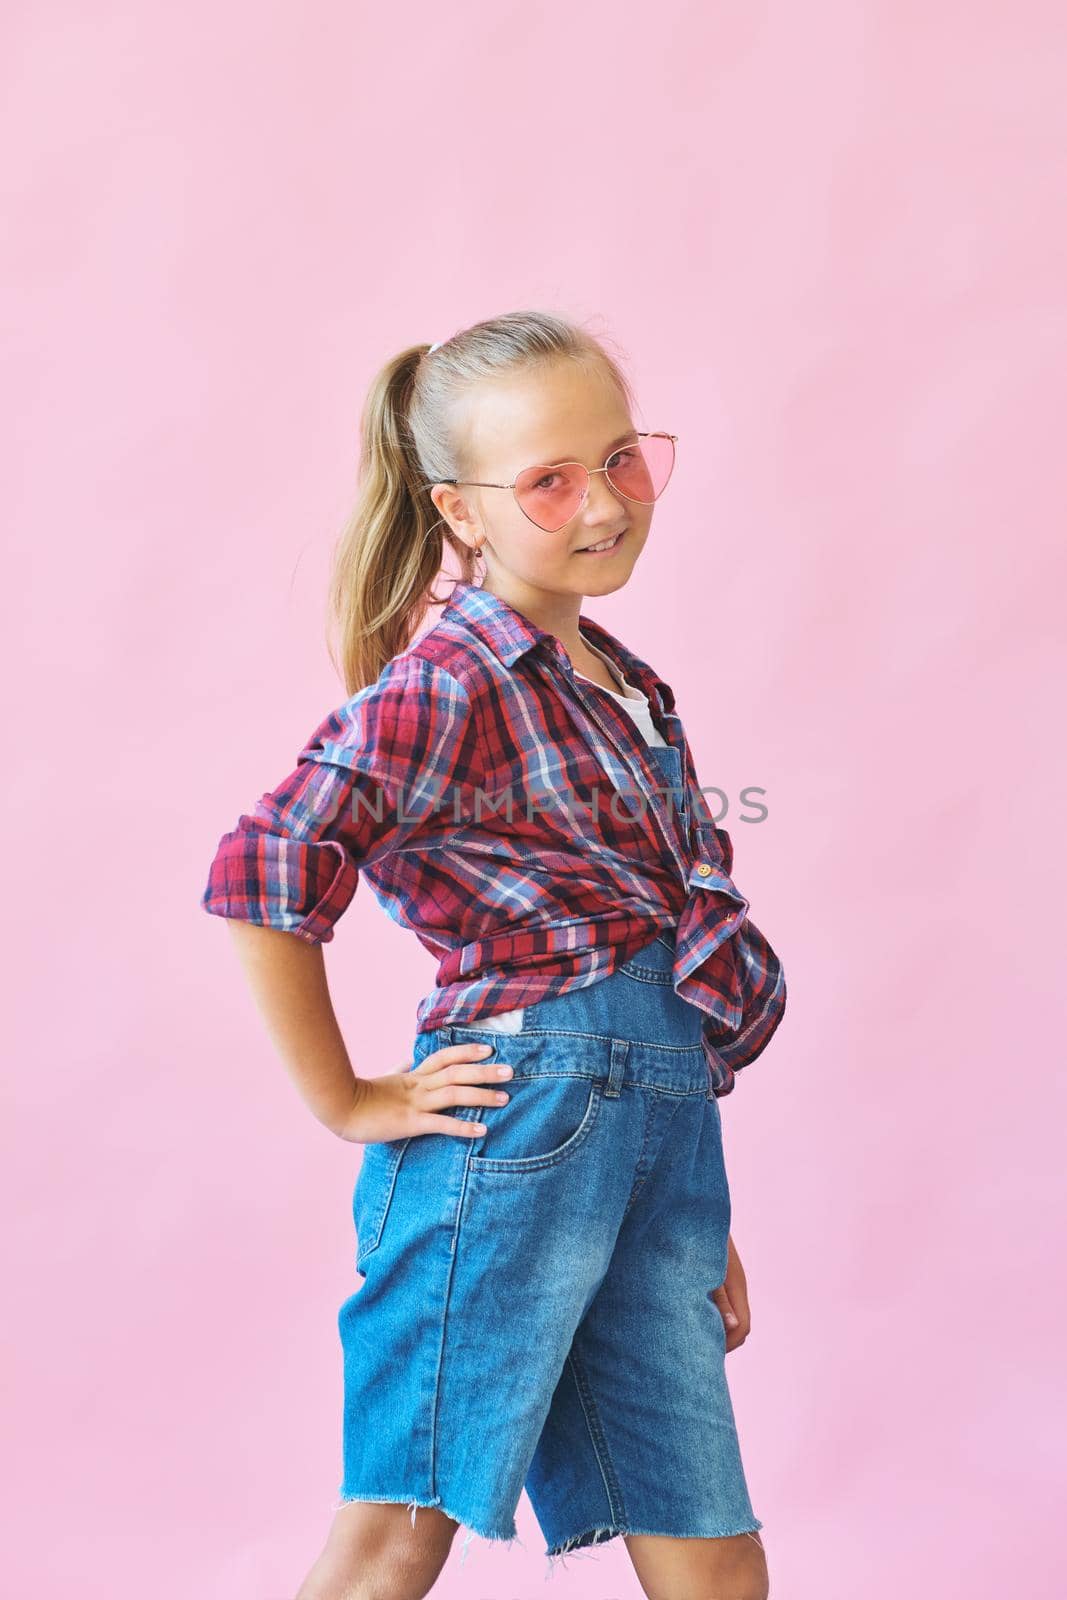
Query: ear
(458, 513)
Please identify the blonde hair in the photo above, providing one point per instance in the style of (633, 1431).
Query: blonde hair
(391, 549)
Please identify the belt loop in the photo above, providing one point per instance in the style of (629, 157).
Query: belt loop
(620, 1050)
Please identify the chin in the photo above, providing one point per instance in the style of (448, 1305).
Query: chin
(608, 585)
(609, 576)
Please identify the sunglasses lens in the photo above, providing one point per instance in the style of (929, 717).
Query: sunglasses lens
(551, 495)
(640, 471)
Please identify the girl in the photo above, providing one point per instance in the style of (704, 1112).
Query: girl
(548, 1283)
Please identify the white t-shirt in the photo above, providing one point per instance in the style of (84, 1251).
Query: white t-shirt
(636, 705)
(631, 700)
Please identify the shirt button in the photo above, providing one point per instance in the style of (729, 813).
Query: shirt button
(704, 871)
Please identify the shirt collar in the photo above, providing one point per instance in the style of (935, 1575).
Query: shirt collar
(510, 635)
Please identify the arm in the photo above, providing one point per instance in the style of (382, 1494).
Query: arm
(287, 978)
(284, 876)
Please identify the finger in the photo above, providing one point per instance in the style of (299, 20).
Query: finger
(739, 1297)
(431, 1122)
(450, 1053)
(453, 1094)
(722, 1300)
(463, 1070)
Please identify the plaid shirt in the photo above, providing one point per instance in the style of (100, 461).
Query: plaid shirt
(411, 782)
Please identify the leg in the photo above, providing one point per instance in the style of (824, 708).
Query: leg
(476, 1273)
(734, 1568)
(641, 1438)
(375, 1552)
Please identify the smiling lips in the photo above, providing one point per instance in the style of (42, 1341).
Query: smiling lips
(602, 548)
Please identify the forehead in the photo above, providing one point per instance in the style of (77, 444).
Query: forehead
(566, 411)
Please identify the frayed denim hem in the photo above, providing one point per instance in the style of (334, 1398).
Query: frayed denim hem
(508, 1539)
(579, 1544)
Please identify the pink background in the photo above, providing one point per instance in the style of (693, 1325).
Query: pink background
(830, 238)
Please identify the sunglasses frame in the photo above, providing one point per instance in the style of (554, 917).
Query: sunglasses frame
(472, 483)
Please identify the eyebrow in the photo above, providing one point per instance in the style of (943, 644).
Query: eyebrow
(623, 437)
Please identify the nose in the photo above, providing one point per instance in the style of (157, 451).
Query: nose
(602, 502)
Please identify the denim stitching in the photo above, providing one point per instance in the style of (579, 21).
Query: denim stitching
(645, 974)
(640, 1180)
(582, 1033)
(522, 1164)
(597, 1438)
(374, 1232)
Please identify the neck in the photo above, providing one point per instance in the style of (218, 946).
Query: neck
(556, 613)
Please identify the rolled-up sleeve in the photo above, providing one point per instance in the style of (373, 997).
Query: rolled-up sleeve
(374, 774)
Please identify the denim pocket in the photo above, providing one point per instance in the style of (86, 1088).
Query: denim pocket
(653, 963)
(545, 1122)
(374, 1192)
(425, 1044)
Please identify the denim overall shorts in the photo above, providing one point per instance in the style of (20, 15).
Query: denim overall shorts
(534, 1312)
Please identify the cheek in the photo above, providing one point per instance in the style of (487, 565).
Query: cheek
(540, 558)
(526, 550)
(641, 519)
(640, 528)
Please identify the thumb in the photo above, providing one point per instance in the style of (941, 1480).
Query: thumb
(722, 1300)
